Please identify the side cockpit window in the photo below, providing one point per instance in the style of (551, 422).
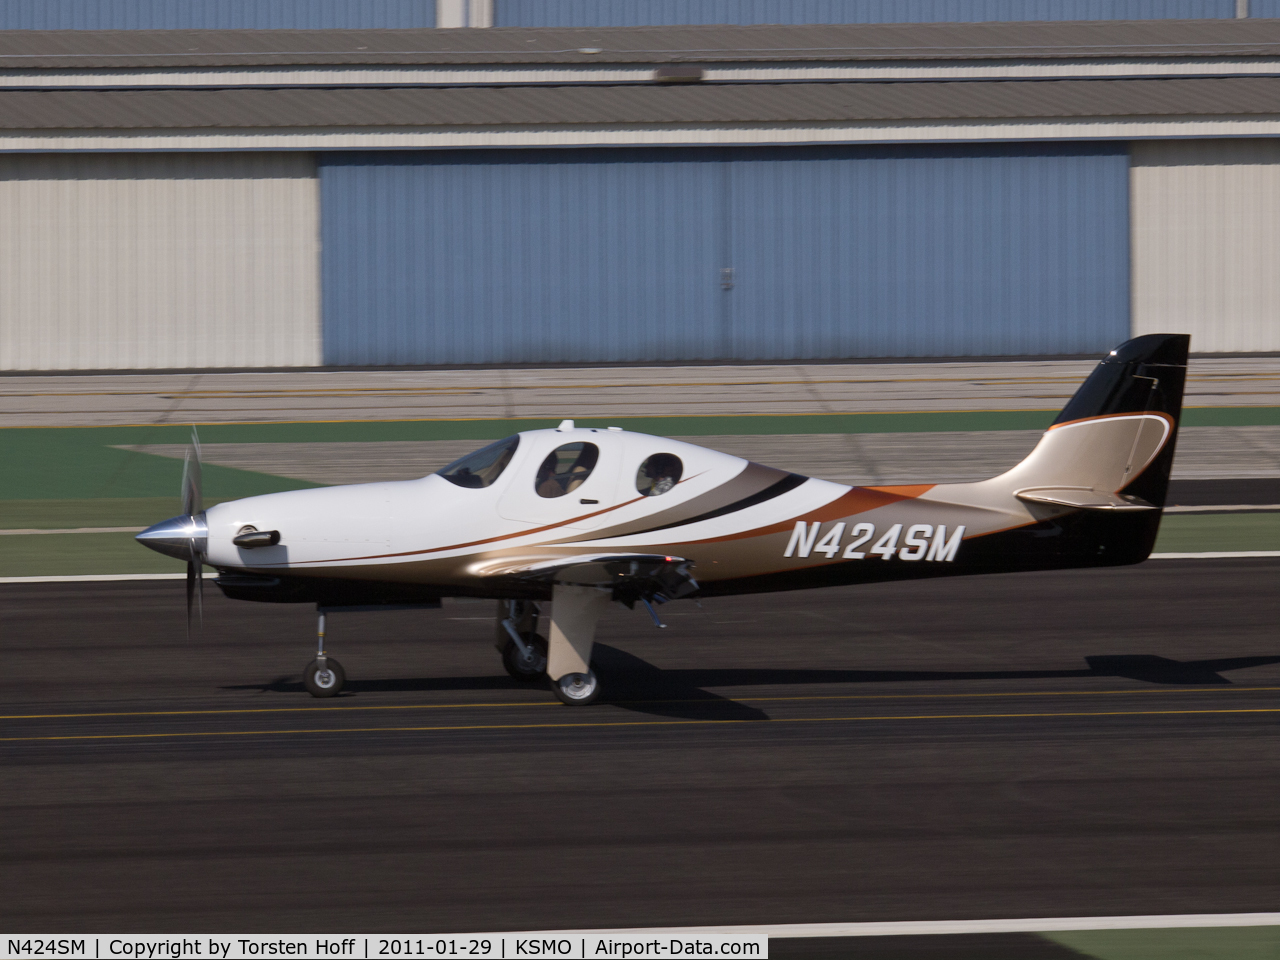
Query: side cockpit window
(566, 469)
(658, 474)
(482, 468)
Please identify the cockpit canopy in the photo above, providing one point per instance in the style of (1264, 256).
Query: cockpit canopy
(482, 468)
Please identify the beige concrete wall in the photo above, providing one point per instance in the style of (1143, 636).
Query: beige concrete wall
(139, 261)
(1206, 242)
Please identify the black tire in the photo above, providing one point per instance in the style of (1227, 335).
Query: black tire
(577, 689)
(328, 683)
(522, 669)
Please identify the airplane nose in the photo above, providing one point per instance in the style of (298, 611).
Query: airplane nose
(173, 537)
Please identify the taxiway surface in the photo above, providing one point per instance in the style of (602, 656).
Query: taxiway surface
(1071, 743)
(38, 399)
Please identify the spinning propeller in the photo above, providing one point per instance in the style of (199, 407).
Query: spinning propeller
(197, 539)
(185, 537)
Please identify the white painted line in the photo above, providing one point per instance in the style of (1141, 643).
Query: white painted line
(1215, 555)
(103, 578)
(1228, 508)
(897, 928)
(38, 531)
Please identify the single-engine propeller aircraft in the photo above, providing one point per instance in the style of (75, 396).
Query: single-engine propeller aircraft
(583, 517)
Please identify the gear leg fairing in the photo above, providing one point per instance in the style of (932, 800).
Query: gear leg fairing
(575, 610)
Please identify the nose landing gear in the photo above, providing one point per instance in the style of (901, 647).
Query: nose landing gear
(324, 676)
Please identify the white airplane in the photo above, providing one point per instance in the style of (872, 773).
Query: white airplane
(583, 517)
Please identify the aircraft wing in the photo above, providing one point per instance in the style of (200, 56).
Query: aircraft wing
(631, 576)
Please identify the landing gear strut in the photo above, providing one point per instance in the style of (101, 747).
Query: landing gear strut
(324, 676)
(524, 651)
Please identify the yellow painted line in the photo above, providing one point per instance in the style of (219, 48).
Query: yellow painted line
(551, 703)
(233, 712)
(627, 723)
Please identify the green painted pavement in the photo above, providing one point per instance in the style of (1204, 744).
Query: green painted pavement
(1212, 532)
(66, 554)
(91, 512)
(1231, 417)
(80, 554)
(83, 464)
(1193, 943)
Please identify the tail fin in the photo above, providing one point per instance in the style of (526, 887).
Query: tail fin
(1097, 480)
(1142, 377)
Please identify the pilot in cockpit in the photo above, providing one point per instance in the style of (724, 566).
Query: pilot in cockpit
(565, 469)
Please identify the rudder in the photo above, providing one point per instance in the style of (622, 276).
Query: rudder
(1145, 375)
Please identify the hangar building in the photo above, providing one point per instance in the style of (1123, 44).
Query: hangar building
(293, 183)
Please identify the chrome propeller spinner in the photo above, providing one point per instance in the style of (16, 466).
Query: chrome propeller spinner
(186, 536)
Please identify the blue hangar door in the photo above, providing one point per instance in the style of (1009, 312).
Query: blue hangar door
(542, 256)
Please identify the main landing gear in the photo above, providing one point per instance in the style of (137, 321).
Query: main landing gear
(563, 657)
(575, 611)
(523, 649)
(324, 676)
(577, 689)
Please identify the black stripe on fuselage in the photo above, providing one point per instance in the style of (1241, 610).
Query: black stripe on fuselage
(785, 485)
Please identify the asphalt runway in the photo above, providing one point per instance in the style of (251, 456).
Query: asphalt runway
(1070, 743)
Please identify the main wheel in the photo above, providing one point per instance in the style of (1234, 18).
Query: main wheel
(577, 689)
(327, 682)
(532, 667)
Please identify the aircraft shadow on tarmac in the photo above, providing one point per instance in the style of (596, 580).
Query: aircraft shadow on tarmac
(636, 684)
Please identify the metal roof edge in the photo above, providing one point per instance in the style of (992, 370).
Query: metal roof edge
(640, 105)
(75, 49)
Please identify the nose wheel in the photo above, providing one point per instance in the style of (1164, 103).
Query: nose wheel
(324, 677)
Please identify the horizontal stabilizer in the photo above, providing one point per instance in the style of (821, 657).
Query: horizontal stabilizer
(1082, 498)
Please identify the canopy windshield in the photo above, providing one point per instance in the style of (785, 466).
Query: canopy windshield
(482, 468)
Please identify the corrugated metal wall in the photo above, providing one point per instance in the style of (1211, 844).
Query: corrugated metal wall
(520, 256)
(599, 255)
(131, 261)
(1206, 238)
(632, 13)
(910, 251)
(214, 14)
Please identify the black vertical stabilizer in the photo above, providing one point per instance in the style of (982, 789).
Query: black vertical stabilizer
(1143, 375)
